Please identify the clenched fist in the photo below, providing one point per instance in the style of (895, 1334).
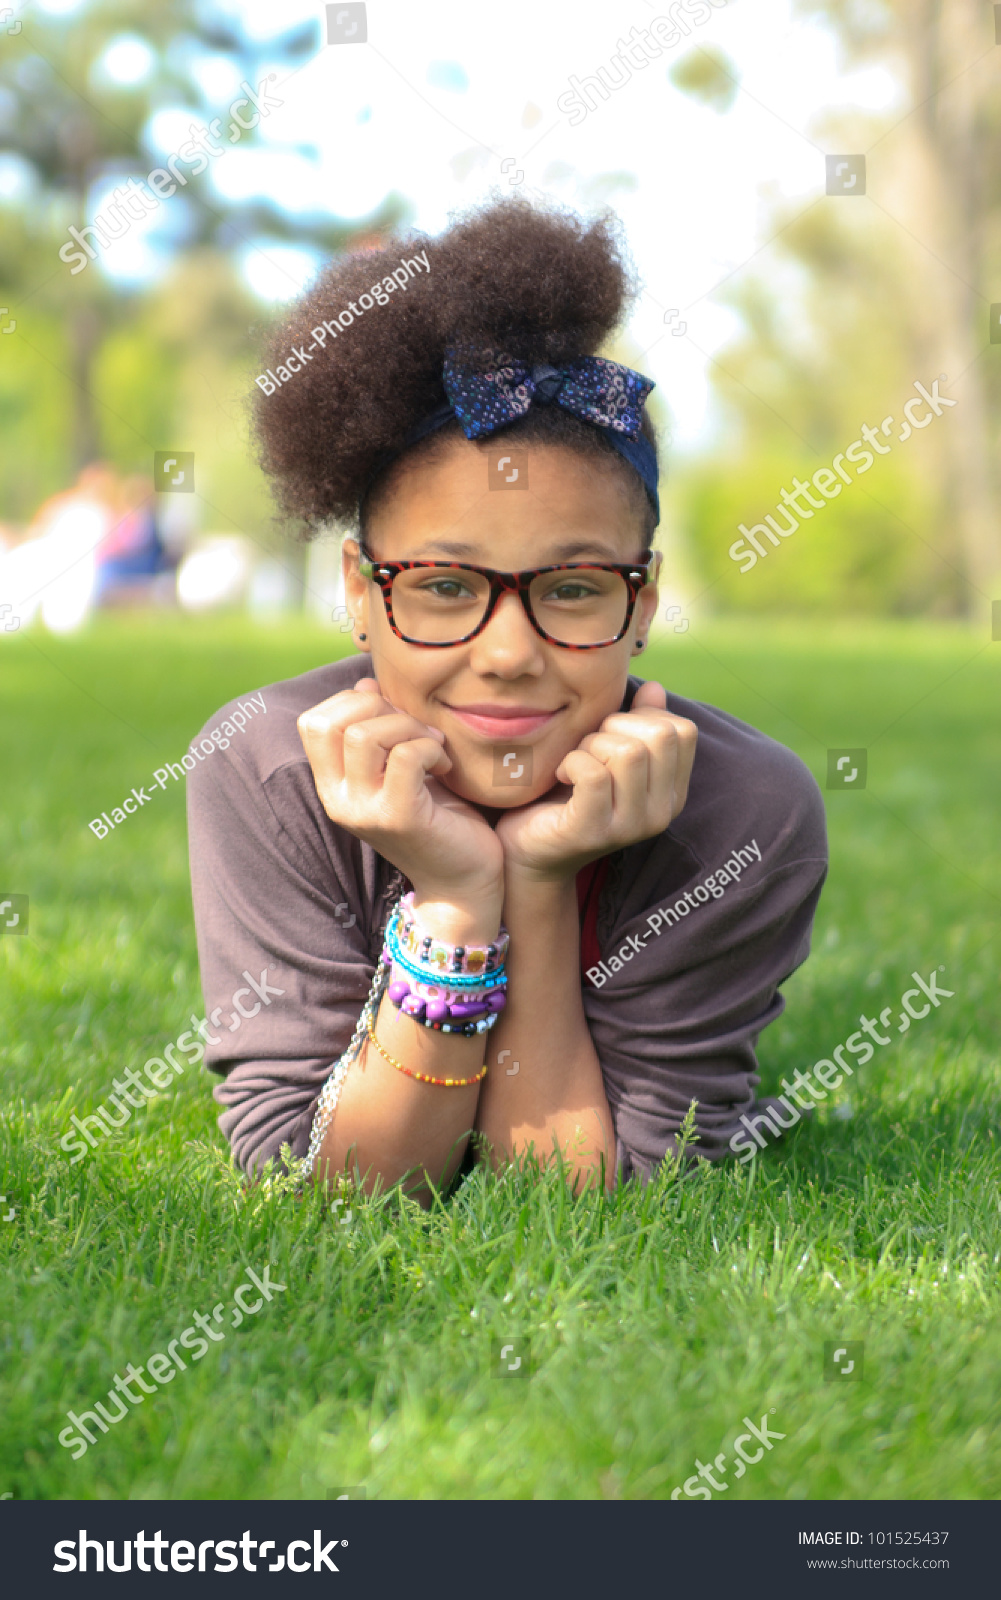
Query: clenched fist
(627, 782)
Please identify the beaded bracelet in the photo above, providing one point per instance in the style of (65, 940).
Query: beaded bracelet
(429, 951)
(401, 955)
(465, 1030)
(427, 982)
(438, 1002)
(424, 1077)
(401, 984)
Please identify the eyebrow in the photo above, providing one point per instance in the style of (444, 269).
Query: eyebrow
(573, 550)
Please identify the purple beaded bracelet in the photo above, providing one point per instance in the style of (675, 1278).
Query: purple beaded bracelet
(438, 990)
(445, 1005)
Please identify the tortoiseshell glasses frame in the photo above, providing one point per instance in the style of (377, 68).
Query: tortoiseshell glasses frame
(636, 575)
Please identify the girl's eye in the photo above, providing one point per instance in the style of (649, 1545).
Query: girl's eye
(570, 589)
(446, 589)
(443, 588)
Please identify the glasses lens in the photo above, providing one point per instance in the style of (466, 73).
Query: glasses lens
(439, 605)
(583, 606)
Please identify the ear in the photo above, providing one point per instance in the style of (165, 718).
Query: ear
(357, 591)
(646, 601)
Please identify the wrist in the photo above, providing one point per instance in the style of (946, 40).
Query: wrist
(540, 907)
(471, 919)
(552, 882)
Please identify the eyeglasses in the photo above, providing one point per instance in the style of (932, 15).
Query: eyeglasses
(579, 605)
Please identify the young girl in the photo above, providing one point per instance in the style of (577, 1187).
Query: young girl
(490, 880)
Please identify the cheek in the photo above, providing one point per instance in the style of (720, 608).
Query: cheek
(407, 677)
(600, 685)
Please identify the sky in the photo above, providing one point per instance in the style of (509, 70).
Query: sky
(444, 104)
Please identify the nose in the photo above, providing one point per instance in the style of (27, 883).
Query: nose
(509, 646)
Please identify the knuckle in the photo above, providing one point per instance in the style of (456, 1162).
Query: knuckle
(406, 754)
(596, 772)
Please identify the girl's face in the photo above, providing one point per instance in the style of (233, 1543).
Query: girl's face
(507, 689)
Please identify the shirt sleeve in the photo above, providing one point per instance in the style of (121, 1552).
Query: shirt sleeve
(680, 1016)
(284, 898)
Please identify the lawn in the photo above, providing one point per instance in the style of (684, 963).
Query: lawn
(650, 1324)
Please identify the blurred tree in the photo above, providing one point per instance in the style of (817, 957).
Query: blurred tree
(76, 96)
(708, 75)
(853, 302)
(948, 196)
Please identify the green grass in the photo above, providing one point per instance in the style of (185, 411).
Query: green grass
(659, 1318)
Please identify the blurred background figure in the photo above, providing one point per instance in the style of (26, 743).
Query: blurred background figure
(134, 565)
(53, 570)
(215, 573)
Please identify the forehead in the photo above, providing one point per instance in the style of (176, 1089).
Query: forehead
(463, 503)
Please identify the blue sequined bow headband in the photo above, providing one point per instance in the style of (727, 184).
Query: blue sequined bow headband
(500, 390)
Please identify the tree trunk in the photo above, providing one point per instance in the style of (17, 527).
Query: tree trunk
(84, 336)
(949, 219)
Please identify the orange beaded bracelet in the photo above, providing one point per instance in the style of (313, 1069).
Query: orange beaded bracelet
(423, 1077)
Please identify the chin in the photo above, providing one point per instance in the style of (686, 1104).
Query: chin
(479, 789)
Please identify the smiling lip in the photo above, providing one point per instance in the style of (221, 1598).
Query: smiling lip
(503, 722)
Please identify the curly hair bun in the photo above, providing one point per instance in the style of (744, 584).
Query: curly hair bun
(534, 281)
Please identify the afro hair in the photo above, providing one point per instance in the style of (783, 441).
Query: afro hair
(536, 282)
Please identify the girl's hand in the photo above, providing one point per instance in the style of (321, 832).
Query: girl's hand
(375, 770)
(624, 783)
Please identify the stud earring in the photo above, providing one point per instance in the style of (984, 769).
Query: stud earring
(640, 645)
(363, 636)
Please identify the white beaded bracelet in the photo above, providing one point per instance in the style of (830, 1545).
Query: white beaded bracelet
(331, 1092)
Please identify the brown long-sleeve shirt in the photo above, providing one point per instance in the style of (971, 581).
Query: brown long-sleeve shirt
(675, 1010)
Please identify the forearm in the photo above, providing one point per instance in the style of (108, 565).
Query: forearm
(389, 1125)
(556, 1097)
